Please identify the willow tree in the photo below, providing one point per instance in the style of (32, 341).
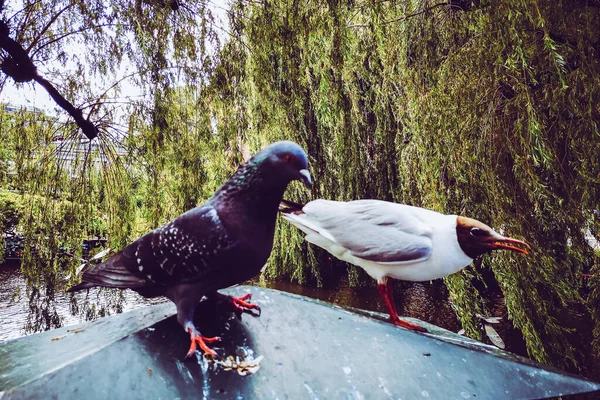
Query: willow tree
(482, 108)
(112, 163)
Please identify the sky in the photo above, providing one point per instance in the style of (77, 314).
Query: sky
(27, 95)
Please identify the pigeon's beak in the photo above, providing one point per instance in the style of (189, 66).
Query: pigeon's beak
(305, 178)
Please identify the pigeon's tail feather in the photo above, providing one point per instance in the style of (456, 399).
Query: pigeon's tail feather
(81, 286)
(289, 207)
(111, 273)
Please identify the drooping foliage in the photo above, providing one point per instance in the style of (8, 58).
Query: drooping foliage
(488, 109)
(119, 63)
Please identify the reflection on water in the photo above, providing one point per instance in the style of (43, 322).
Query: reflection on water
(13, 311)
(20, 316)
(423, 300)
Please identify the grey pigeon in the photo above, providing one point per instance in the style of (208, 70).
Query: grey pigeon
(396, 240)
(221, 243)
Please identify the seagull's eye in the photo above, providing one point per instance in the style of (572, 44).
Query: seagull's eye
(477, 232)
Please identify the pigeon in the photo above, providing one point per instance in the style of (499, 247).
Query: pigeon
(221, 243)
(390, 240)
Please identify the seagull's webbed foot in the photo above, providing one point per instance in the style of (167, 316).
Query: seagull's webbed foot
(197, 340)
(407, 325)
(240, 304)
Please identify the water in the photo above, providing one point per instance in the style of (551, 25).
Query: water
(15, 312)
(425, 301)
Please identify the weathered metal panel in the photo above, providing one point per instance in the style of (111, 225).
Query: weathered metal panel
(310, 350)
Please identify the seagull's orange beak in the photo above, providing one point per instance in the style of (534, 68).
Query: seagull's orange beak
(509, 244)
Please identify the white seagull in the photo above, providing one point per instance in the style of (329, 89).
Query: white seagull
(390, 240)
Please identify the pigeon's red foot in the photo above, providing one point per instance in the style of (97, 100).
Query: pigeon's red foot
(240, 303)
(407, 325)
(201, 342)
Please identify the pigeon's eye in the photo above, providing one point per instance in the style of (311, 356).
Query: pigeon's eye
(288, 158)
(477, 232)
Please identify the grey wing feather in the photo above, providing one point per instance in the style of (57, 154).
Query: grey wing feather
(373, 230)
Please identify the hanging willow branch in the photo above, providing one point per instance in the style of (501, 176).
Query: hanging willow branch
(479, 113)
(462, 5)
(20, 67)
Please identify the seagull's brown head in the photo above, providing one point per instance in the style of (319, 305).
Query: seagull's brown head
(476, 238)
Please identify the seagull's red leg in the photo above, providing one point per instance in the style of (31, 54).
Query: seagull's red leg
(385, 289)
(389, 303)
(201, 341)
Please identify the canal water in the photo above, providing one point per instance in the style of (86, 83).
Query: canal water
(425, 301)
(19, 316)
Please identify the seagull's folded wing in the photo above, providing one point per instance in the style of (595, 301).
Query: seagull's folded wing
(373, 230)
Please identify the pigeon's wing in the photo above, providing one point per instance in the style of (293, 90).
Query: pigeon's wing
(185, 249)
(373, 230)
(110, 273)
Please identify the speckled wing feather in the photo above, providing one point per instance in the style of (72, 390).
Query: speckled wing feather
(373, 230)
(185, 249)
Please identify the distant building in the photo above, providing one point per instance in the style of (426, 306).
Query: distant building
(14, 109)
(72, 152)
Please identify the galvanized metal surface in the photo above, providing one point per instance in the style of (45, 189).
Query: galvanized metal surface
(309, 350)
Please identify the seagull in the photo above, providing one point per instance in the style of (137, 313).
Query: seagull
(221, 243)
(391, 240)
